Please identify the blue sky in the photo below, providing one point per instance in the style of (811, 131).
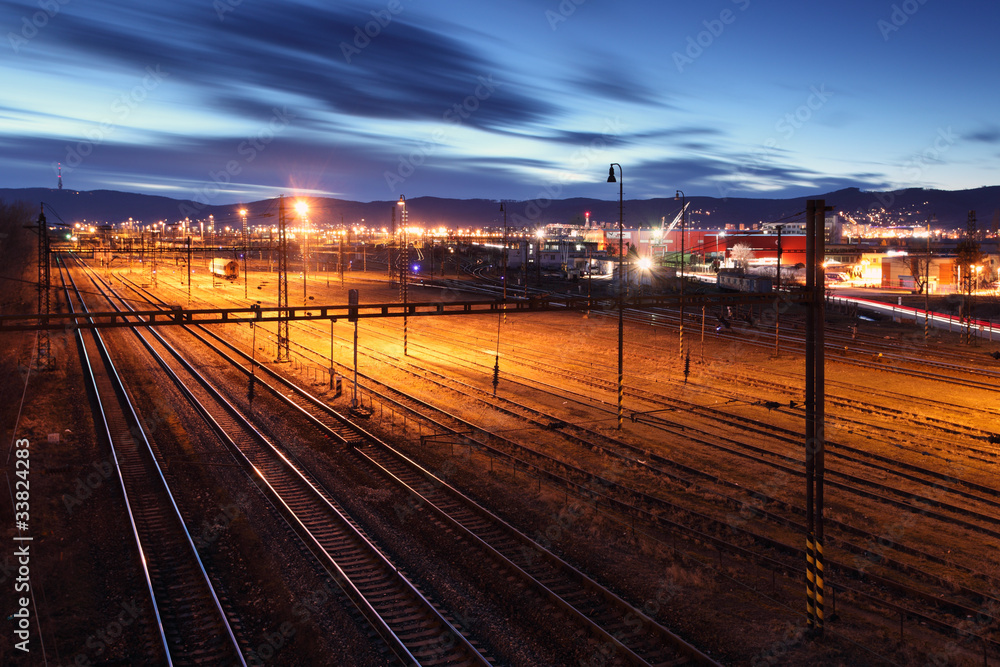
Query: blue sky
(229, 100)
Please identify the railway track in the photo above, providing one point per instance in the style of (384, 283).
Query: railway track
(975, 598)
(192, 625)
(413, 628)
(916, 614)
(623, 629)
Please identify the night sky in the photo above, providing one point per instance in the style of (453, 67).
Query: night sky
(234, 100)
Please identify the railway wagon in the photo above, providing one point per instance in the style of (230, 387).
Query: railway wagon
(742, 283)
(225, 268)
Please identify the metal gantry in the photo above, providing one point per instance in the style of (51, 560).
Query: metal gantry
(260, 314)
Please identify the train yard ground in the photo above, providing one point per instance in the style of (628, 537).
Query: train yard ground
(535, 529)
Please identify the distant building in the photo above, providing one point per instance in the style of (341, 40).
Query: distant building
(834, 228)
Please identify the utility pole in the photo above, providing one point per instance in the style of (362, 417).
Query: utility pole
(390, 244)
(504, 211)
(187, 241)
(680, 194)
(404, 271)
(927, 285)
(305, 262)
(538, 260)
(246, 249)
(352, 300)
(967, 258)
(44, 360)
(524, 265)
(283, 353)
(152, 259)
(777, 289)
(815, 410)
(340, 260)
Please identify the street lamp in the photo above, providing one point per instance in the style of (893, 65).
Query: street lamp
(680, 195)
(621, 282)
(503, 318)
(243, 217)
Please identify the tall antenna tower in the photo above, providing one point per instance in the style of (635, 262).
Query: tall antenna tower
(60, 175)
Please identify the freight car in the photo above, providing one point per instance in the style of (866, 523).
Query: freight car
(225, 268)
(742, 283)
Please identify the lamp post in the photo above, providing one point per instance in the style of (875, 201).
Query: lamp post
(243, 217)
(302, 209)
(680, 195)
(621, 283)
(503, 317)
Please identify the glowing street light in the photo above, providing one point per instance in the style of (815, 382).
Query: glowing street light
(243, 218)
(302, 208)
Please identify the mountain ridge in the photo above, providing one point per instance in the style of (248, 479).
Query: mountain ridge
(912, 206)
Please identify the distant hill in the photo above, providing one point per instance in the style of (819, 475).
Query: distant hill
(910, 206)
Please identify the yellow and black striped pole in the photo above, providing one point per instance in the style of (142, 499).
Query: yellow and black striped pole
(818, 552)
(810, 582)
